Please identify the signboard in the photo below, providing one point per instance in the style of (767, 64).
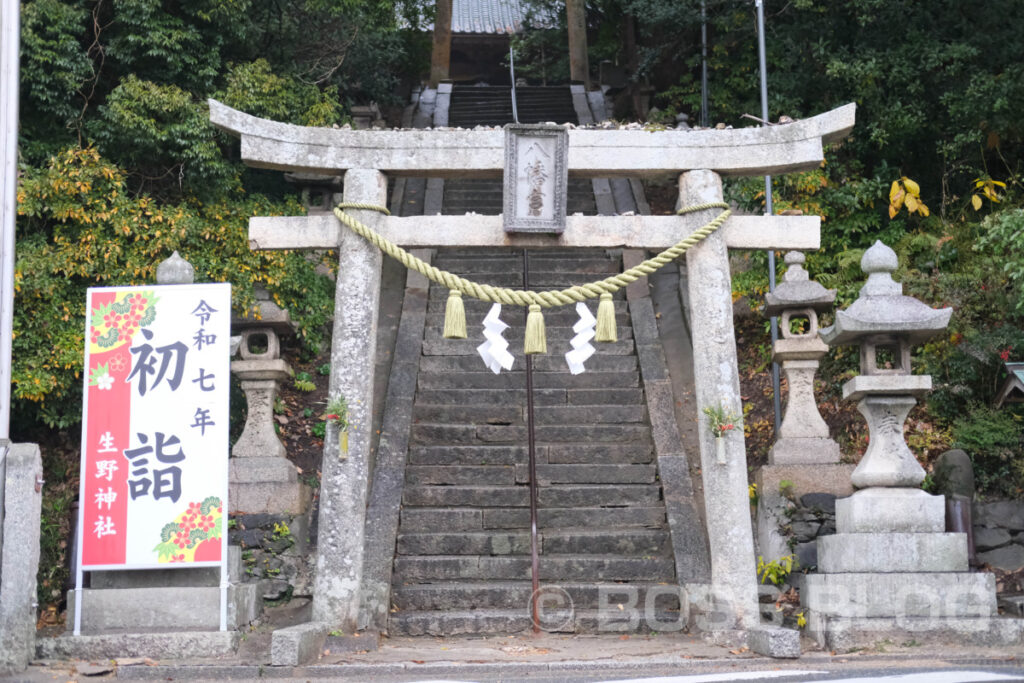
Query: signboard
(536, 178)
(154, 468)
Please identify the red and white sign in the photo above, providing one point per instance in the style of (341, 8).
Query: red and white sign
(154, 474)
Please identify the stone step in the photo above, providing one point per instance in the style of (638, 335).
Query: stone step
(427, 519)
(464, 543)
(467, 455)
(538, 262)
(460, 475)
(566, 415)
(541, 397)
(493, 622)
(651, 517)
(541, 363)
(438, 293)
(622, 542)
(459, 623)
(478, 253)
(488, 396)
(516, 379)
(478, 414)
(467, 347)
(416, 569)
(587, 473)
(639, 452)
(434, 434)
(594, 495)
(559, 455)
(516, 595)
(564, 316)
(516, 333)
(516, 414)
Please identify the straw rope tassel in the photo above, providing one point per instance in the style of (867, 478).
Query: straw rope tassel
(536, 340)
(455, 316)
(606, 330)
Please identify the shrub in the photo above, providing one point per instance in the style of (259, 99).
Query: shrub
(80, 227)
(995, 441)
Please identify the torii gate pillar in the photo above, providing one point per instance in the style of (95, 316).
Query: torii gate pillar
(732, 599)
(339, 559)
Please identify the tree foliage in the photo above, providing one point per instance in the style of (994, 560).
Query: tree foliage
(120, 165)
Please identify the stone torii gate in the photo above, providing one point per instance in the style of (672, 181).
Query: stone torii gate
(698, 158)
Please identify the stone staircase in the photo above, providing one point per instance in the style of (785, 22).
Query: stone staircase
(492, 106)
(463, 549)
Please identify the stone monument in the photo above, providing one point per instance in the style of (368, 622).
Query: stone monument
(891, 571)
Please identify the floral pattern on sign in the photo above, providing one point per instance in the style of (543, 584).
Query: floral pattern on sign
(101, 378)
(194, 535)
(114, 324)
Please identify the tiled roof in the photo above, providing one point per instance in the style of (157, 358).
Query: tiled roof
(486, 16)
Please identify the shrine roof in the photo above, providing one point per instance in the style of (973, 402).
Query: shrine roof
(489, 17)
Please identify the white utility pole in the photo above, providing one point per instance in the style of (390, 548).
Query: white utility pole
(9, 39)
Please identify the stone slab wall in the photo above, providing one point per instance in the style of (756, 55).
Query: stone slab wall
(999, 539)
(275, 553)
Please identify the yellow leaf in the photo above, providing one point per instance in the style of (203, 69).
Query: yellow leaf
(911, 204)
(976, 202)
(892, 211)
(912, 187)
(924, 210)
(894, 190)
(897, 201)
(996, 182)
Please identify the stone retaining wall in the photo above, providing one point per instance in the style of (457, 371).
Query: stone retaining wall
(275, 552)
(999, 535)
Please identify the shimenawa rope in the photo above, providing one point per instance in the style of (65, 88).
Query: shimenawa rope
(535, 342)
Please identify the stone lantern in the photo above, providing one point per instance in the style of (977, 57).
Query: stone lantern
(891, 571)
(803, 436)
(262, 479)
(885, 324)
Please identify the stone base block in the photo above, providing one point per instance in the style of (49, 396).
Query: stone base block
(805, 478)
(804, 451)
(299, 644)
(901, 595)
(774, 641)
(194, 608)
(268, 497)
(193, 576)
(892, 553)
(263, 469)
(192, 644)
(842, 634)
(886, 510)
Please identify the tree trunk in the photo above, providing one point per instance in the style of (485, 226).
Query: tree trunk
(440, 57)
(576, 16)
